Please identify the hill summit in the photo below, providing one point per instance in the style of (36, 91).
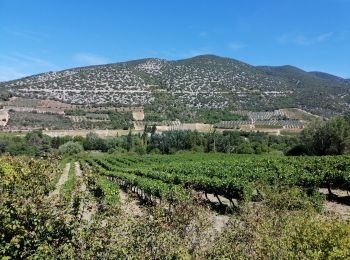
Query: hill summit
(205, 81)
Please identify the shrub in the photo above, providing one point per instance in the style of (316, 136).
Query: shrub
(141, 150)
(262, 233)
(71, 148)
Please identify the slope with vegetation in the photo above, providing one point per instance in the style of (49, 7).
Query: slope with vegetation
(202, 82)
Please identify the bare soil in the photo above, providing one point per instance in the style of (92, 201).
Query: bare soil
(88, 205)
(340, 204)
(130, 205)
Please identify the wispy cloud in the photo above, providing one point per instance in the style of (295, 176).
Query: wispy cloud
(236, 46)
(24, 34)
(32, 60)
(9, 73)
(89, 59)
(16, 65)
(304, 40)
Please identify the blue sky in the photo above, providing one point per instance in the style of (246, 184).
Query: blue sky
(42, 35)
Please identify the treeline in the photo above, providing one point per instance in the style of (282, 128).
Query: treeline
(38, 144)
(330, 137)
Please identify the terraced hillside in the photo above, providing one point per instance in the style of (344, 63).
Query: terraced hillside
(202, 82)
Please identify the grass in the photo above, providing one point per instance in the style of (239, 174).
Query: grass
(67, 187)
(54, 180)
(289, 132)
(9, 135)
(300, 114)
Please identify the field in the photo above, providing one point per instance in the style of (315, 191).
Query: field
(234, 178)
(182, 206)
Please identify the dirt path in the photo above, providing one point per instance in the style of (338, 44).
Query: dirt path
(55, 195)
(213, 199)
(129, 205)
(342, 209)
(219, 223)
(88, 205)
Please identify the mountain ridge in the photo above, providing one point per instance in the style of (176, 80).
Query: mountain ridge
(320, 74)
(205, 81)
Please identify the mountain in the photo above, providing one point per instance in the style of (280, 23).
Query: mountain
(327, 76)
(205, 81)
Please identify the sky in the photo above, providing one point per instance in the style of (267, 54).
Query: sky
(50, 35)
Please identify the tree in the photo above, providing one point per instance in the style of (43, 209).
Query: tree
(20, 148)
(94, 142)
(153, 129)
(330, 137)
(71, 148)
(245, 148)
(129, 142)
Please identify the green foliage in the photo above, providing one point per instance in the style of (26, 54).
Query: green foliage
(5, 94)
(70, 148)
(299, 236)
(23, 120)
(75, 112)
(19, 148)
(28, 223)
(110, 191)
(269, 126)
(294, 233)
(121, 120)
(232, 177)
(212, 116)
(285, 223)
(67, 188)
(294, 198)
(205, 81)
(166, 108)
(245, 148)
(327, 138)
(94, 142)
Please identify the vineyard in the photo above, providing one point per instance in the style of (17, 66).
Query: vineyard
(182, 206)
(238, 179)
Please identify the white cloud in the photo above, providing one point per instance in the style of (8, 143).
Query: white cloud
(236, 46)
(89, 59)
(300, 39)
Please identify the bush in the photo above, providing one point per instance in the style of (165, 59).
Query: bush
(20, 148)
(141, 150)
(297, 150)
(245, 148)
(263, 233)
(71, 148)
(155, 151)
